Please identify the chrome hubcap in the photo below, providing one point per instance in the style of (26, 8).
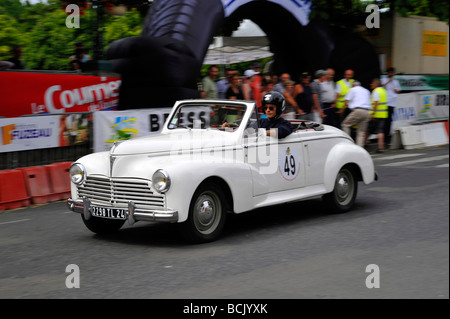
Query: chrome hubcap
(344, 188)
(207, 211)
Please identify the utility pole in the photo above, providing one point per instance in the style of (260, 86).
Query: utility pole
(97, 29)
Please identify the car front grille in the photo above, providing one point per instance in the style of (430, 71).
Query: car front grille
(117, 192)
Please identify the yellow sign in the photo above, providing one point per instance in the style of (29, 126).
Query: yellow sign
(434, 43)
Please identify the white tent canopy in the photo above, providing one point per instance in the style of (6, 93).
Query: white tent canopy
(228, 50)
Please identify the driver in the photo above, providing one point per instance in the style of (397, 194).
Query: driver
(273, 106)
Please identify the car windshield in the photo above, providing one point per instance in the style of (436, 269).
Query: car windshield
(226, 117)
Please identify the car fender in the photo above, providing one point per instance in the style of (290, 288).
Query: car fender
(346, 153)
(184, 183)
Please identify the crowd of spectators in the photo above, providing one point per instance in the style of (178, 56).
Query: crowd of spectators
(342, 103)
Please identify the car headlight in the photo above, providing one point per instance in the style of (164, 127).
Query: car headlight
(161, 181)
(77, 173)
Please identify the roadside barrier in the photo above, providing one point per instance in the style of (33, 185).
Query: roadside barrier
(13, 191)
(38, 184)
(434, 134)
(60, 179)
(34, 185)
(425, 135)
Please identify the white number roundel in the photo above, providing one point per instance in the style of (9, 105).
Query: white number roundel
(288, 163)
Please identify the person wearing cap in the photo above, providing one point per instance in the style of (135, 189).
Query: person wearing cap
(273, 104)
(358, 102)
(246, 84)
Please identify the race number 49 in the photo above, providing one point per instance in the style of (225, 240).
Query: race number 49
(288, 163)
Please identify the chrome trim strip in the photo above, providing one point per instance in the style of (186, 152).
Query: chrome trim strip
(131, 209)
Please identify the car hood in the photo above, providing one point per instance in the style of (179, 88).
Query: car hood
(181, 140)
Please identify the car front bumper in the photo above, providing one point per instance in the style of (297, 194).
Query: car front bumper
(132, 215)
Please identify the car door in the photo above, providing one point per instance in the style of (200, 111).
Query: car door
(276, 164)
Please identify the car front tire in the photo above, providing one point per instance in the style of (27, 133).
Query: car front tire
(343, 196)
(207, 213)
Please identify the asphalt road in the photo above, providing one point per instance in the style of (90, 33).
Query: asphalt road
(292, 251)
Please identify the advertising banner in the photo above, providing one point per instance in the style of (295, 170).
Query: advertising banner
(37, 132)
(421, 82)
(74, 128)
(405, 112)
(26, 93)
(113, 126)
(18, 134)
(430, 106)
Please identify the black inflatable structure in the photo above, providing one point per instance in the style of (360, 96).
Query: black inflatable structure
(163, 64)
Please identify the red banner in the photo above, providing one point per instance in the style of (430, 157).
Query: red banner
(24, 93)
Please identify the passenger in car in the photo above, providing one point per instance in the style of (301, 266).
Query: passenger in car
(273, 105)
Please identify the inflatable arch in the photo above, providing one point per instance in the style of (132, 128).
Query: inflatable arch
(162, 65)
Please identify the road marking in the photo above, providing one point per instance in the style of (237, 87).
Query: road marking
(420, 160)
(443, 165)
(15, 221)
(399, 156)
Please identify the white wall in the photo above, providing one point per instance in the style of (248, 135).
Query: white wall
(407, 46)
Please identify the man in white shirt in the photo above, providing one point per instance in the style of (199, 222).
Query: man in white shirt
(392, 86)
(358, 102)
(328, 97)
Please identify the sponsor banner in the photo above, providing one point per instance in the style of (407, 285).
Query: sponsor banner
(432, 106)
(405, 112)
(74, 128)
(113, 126)
(298, 8)
(25, 93)
(420, 107)
(18, 134)
(421, 82)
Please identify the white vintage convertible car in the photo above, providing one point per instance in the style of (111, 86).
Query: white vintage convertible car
(197, 170)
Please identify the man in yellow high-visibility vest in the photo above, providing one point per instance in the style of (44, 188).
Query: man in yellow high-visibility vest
(379, 112)
(342, 88)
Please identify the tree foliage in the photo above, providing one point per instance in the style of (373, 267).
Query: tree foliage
(47, 43)
(350, 13)
(46, 40)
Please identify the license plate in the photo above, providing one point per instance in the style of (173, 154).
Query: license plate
(108, 212)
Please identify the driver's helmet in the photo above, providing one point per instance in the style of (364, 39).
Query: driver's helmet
(276, 98)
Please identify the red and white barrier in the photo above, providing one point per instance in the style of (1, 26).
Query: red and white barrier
(34, 185)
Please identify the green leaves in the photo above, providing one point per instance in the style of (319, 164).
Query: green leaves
(350, 13)
(46, 41)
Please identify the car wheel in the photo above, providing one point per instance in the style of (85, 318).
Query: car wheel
(343, 196)
(207, 213)
(102, 226)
